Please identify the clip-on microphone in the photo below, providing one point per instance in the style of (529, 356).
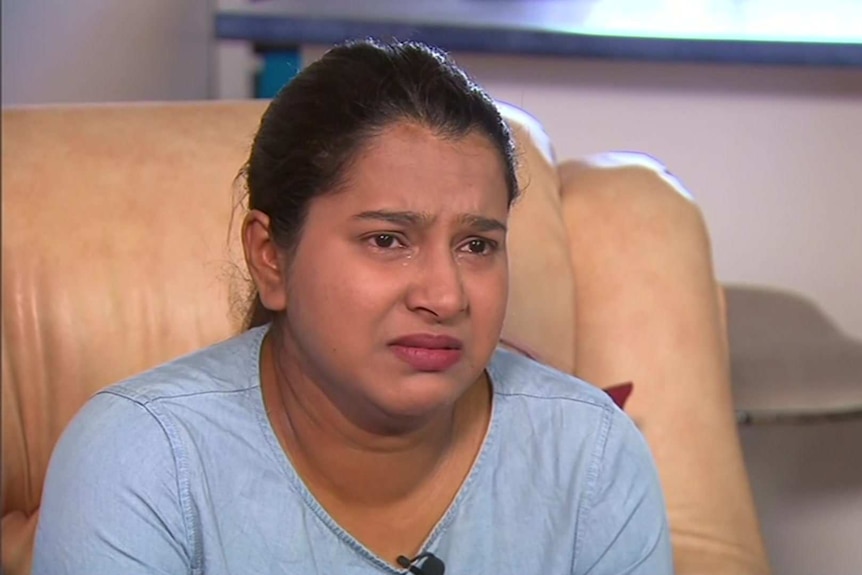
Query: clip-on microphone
(431, 564)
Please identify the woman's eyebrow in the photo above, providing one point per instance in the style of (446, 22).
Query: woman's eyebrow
(417, 219)
(482, 224)
(396, 217)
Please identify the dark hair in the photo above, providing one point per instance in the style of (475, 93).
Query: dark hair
(317, 123)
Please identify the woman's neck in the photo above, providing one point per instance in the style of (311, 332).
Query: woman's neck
(369, 466)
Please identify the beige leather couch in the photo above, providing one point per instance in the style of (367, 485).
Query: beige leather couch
(116, 257)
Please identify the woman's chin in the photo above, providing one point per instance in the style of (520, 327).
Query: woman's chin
(423, 397)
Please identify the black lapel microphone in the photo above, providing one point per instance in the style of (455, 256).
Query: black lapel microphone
(430, 564)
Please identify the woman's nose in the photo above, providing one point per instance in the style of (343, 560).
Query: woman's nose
(437, 287)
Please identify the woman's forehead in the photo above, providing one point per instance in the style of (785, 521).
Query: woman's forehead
(412, 162)
(411, 169)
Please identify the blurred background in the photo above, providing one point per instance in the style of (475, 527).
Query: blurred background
(772, 153)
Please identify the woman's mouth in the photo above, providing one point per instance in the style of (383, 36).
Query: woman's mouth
(427, 352)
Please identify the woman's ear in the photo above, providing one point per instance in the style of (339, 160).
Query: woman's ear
(262, 256)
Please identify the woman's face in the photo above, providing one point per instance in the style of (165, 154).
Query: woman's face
(396, 292)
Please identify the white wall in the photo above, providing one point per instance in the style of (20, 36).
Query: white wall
(807, 482)
(105, 50)
(773, 155)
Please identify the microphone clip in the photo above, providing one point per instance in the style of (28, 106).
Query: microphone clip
(422, 564)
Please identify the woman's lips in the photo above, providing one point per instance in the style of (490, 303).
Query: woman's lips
(425, 352)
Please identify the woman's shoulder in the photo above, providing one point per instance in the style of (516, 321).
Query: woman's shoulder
(515, 375)
(228, 366)
(551, 412)
(573, 460)
(138, 415)
(134, 447)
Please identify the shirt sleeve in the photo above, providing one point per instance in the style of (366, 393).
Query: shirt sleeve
(625, 527)
(112, 497)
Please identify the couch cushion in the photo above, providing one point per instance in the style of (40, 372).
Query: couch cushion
(541, 313)
(115, 222)
(650, 311)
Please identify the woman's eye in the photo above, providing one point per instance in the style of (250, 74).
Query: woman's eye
(385, 241)
(479, 247)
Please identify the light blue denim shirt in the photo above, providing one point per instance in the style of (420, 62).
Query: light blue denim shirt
(178, 471)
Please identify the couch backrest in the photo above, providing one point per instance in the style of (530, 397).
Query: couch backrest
(115, 256)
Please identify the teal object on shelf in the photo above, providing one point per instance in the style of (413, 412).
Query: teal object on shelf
(279, 67)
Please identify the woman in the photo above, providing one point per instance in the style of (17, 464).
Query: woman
(367, 417)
